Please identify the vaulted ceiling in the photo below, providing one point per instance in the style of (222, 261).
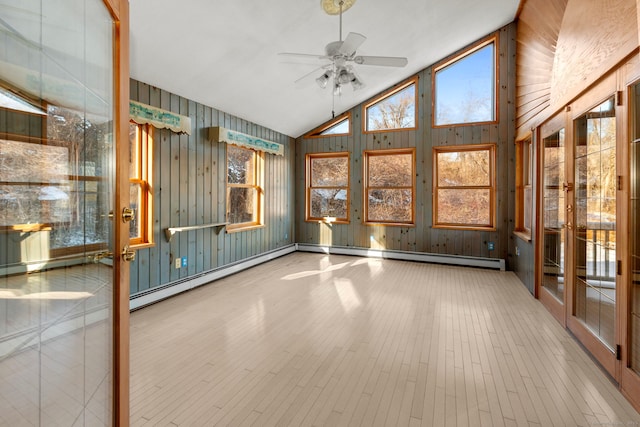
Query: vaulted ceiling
(224, 54)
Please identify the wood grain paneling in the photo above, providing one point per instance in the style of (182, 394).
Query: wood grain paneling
(565, 46)
(189, 189)
(421, 237)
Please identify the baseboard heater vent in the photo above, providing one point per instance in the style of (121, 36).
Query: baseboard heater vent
(464, 261)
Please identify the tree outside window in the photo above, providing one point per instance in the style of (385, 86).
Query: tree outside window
(464, 187)
(393, 110)
(244, 191)
(389, 186)
(328, 187)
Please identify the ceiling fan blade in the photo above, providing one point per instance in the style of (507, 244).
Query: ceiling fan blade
(351, 43)
(303, 56)
(385, 61)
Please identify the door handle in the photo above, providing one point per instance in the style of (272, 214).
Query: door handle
(569, 226)
(128, 214)
(128, 255)
(567, 186)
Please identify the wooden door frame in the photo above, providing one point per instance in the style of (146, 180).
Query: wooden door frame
(120, 12)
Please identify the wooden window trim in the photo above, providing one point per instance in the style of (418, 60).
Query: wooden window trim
(491, 147)
(493, 38)
(317, 132)
(521, 230)
(386, 94)
(145, 181)
(390, 152)
(308, 187)
(257, 186)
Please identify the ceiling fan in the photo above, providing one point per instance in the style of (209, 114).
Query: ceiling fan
(342, 53)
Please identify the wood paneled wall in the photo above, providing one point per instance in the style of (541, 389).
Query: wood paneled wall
(189, 189)
(564, 46)
(422, 237)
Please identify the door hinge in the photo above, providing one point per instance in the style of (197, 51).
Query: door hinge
(619, 98)
(618, 352)
(619, 267)
(619, 183)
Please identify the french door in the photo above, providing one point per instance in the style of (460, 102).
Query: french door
(63, 284)
(589, 225)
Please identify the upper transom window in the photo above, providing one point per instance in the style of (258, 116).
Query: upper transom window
(393, 110)
(339, 126)
(464, 88)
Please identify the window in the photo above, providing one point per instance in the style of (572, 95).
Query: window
(140, 183)
(244, 191)
(464, 186)
(340, 126)
(464, 88)
(328, 187)
(524, 193)
(393, 110)
(389, 186)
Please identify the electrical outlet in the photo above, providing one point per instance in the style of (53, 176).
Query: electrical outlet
(178, 262)
(184, 261)
(490, 246)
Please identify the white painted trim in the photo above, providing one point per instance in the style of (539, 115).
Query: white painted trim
(466, 261)
(157, 294)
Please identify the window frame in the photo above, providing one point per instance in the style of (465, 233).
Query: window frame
(524, 181)
(309, 187)
(317, 132)
(492, 148)
(366, 154)
(144, 213)
(258, 185)
(387, 94)
(491, 39)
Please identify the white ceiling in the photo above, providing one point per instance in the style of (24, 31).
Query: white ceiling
(224, 54)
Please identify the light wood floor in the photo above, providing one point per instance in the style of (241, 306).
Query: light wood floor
(311, 339)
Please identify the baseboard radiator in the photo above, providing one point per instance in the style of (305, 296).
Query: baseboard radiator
(151, 296)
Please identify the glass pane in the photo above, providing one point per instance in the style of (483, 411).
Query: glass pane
(595, 232)
(135, 203)
(394, 112)
(465, 90)
(329, 203)
(464, 168)
(528, 207)
(553, 215)
(393, 170)
(134, 151)
(389, 206)
(467, 207)
(240, 165)
(330, 172)
(340, 128)
(57, 193)
(242, 205)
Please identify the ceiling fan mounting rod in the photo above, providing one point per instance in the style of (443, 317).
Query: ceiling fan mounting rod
(341, 3)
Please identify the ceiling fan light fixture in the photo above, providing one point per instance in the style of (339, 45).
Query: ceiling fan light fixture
(332, 7)
(344, 76)
(324, 79)
(356, 83)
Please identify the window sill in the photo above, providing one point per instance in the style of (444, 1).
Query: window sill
(391, 224)
(328, 220)
(464, 227)
(523, 235)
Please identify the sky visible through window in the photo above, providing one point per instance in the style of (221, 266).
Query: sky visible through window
(465, 89)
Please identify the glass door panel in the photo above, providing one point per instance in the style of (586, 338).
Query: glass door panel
(553, 279)
(595, 222)
(56, 196)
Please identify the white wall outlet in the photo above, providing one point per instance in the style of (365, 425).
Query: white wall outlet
(178, 262)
